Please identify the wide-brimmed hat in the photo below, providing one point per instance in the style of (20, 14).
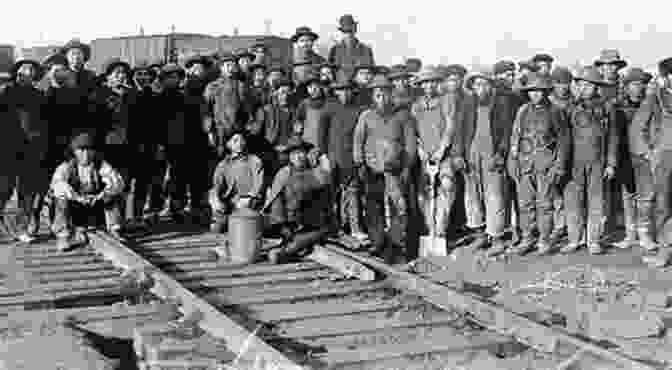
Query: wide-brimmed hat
(36, 65)
(535, 81)
(542, 57)
(411, 61)
(486, 75)
(243, 53)
(283, 82)
(342, 82)
(83, 140)
(76, 44)
(258, 47)
(304, 31)
(454, 70)
(54, 59)
(255, 66)
(383, 70)
(665, 66)
(171, 68)
(610, 56)
(592, 75)
(370, 67)
(636, 74)
(528, 64)
(144, 65)
(380, 82)
(428, 74)
(504, 66)
(294, 144)
(561, 75)
(399, 71)
(113, 63)
(347, 23)
(197, 59)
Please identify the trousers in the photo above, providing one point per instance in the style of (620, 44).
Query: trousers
(71, 214)
(535, 199)
(584, 201)
(486, 195)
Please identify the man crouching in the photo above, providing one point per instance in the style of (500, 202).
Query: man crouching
(83, 187)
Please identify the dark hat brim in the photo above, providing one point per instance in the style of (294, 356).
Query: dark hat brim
(299, 146)
(620, 63)
(399, 75)
(542, 58)
(197, 60)
(36, 65)
(297, 35)
(165, 73)
(245, 54)
(110, 67)
(595, 82)
(55, 59)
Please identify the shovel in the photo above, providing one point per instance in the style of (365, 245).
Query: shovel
(432, 245)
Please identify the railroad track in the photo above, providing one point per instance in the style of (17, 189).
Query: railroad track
(311, 314)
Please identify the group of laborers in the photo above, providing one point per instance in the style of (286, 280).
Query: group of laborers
(343, 144)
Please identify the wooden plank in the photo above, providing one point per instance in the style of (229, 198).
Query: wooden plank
(51, 269)
(256, 280)
(62, 286)
(239, 340)
(347, 266)
(78, 275)
(164, 261)
(34, 299)
(65, 261)
(271, 312)
(176, 253)
(496, 318)
(235, 271)
(174, 245)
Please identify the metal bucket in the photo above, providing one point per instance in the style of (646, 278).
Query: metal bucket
(245, 235)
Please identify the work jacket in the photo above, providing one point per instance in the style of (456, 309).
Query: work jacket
(346, 57)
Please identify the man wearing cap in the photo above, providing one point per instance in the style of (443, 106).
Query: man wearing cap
(637, 212)
(277, 117)
(487, 185)
(223, 113)
(197, 69)
(244, 59)
(78, 54)
(304, 39)
(363, 75)
(342, 116)
(28, 103)
(594, 143)
(257, 93)
(525, 67)
(544, 63)
(313, 114)
(609, 63)
(327, 74)
(350, 52)
(650, 143)
(299, 204)
(505, 74)
(260, 51)
(385, 150)
(401, 95)
(83, 187)
(436, 147)
(537, 160)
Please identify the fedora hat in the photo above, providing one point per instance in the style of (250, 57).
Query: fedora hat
(171, 68)
(197, 59)
(226, 57)
(304, 31)
(537, 82)
(76, 44)
(36, 66)
(665, 66)
(610, 56)
(542, 57)
(473, 76)
(113, 63)
(83, 140)
(54, 59)
(428, 74)
(381, 82)
(529, 65)
(347, 23)
(454, 70)
(243, 53)
(504, 66)
(592, 75)
(143, 65)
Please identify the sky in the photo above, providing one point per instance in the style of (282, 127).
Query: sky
(465, 32)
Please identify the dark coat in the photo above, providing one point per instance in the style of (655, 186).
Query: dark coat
(503, 109)
(276, 123)
(348, 57)
(180, 122)
(341, 123)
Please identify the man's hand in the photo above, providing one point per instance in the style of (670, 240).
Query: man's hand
(609, 172)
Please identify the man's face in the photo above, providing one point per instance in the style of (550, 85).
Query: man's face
(143, 77)
(560, 89)
(314, 90)
(482, 87)
(585, 89)
(282, 94)
(197, 70)
(536, 96)
(59, 74)
(26, 73)
(382, 97)
(350, 35)
(273, 76)
(244, 63)
(507, 78)
(236, 143)
(609, 71)
(544, 68)
(117, 76)
(363, 76)
(84, 156)
(258, 77)
(400, 84)
(298, 158)
(430, 88)
(452, 83)
(635, 89)
(344, 95)
(326, 74)
(75, 58)
(227, 68)
(305, 42)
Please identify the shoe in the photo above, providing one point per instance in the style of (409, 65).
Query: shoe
(629, 241)
(63, 243)
(570, 248)
(646, 241)
(25, 238)
(595, 248)
(497, 247)
(524, 247)
(659, 260)
(544, 248)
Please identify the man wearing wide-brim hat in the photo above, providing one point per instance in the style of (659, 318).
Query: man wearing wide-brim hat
(593, 160)
(651, 142)
(260, 51)
(350, 52)
(486, 147)
(609, 63)
(537, 161)
(78, 54)
(505, 74)
(344, 115)
(385, 149)
(544, 63)
(362, 77)
(85, 186)
(304, 40)
(312, 112)
(224, 107)
(403, 95)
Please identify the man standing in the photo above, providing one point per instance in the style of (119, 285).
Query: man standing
(505, 74)
(313, 114)
(593, 156)
(363, 75)
(350, 52)
(651, 148)
(609, 63)
(304, 39)
(385, 150)
(486, 181)
(537, 162)
(78, 54)
(277, 118)
(637, 213)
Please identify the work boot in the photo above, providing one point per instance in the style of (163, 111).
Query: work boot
(558, 234)
(646, 240)
(570, 248)
(497, 247)
(217, 228)
(525, 246)
(595, 248)
(544, 248)
(659, 260)
(630, 239)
